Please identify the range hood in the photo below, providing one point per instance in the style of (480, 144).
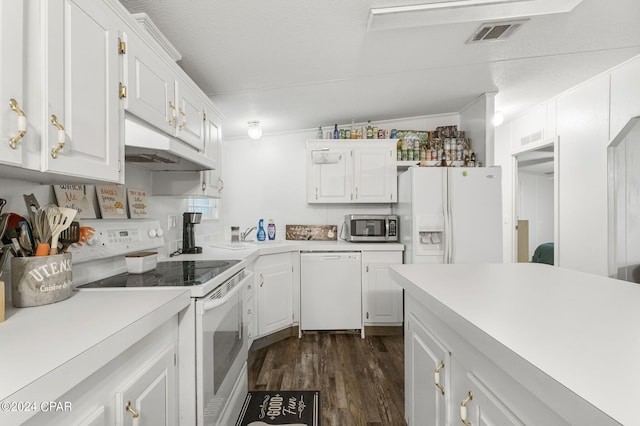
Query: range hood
(152, 149)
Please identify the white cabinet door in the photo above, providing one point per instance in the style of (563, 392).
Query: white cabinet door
(150, 397)
(475, 403)
(213, 149)
(12, 26)
(82, 129)
(374, 174)
(274, 283)
(150, 85)
(427, 376)
(382, 298)
(190, 123)
(96, 418)
(329, 175)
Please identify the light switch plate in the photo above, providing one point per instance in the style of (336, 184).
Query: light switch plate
(171, 222)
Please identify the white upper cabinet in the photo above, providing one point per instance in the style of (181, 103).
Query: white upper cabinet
(150, 85)
(12, 119)
(190, 126)
(214, 179)
(374, 174)
(351, 171)
(82, 126)
(329, 173)
(158, 94)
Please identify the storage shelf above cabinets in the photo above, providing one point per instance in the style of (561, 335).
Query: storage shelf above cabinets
(352, 171)
(403, 165)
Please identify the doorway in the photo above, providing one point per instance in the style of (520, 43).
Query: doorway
(535, 199)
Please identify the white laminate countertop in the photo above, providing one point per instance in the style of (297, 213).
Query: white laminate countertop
(283, 246)
(73, 338)
(580, 329)
(252, 249)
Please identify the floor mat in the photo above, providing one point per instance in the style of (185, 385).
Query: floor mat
(293, 408)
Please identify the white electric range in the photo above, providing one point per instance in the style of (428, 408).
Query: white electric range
(212, 337)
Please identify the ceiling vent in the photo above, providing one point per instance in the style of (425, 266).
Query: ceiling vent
(496, 31)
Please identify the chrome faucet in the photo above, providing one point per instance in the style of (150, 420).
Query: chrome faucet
(246, 232)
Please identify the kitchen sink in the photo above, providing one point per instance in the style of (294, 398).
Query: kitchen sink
(235, 246)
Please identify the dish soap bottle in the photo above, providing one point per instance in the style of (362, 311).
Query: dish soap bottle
(271, 230)
(261, 234)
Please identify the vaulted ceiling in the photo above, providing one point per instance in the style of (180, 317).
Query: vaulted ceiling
(298, 64)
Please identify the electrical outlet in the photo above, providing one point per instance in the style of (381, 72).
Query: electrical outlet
(171, 222)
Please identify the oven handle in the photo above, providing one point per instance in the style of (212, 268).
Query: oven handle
(214, 303)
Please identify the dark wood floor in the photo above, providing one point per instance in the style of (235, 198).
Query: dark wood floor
(361, 381)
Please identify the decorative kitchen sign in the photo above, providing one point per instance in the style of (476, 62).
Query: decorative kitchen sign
(138, 203)
(293, 408)
(312, 232)
(79, 197)
(111, 201)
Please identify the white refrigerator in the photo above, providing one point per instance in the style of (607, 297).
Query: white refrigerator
(450, 214)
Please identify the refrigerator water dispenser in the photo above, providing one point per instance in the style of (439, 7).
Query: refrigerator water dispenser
(430, 231)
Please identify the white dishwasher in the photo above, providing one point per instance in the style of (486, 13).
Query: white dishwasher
(330, 291)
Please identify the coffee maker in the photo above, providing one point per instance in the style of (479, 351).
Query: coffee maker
(189, 220)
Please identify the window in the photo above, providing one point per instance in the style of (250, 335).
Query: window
(207, 206)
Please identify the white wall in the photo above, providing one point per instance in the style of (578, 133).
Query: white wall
(475, 120)
(267, 179)
(584, 119)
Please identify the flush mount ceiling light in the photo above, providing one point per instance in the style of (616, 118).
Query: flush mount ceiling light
(457, 11)
(497, 119)
(254, 131)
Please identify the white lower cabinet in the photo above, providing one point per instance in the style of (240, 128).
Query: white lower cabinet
(137, 387)
(275, 292)
(382, 298)
(150, 397)
(96, 418)
(449, 379)
(427, 375)
(478, 405)
(249, 314)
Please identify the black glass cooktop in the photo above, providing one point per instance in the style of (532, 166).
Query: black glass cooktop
(168, 274)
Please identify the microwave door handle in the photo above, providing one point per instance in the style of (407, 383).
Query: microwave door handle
(214, 303)
(386, 229)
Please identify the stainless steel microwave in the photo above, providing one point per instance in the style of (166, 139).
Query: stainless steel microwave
(371, 227)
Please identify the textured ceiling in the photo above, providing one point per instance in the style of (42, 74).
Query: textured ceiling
(298, 64)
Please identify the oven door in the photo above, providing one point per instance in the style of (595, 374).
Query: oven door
(221, 351)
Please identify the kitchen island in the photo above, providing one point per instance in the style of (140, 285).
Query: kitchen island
(519, 344)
